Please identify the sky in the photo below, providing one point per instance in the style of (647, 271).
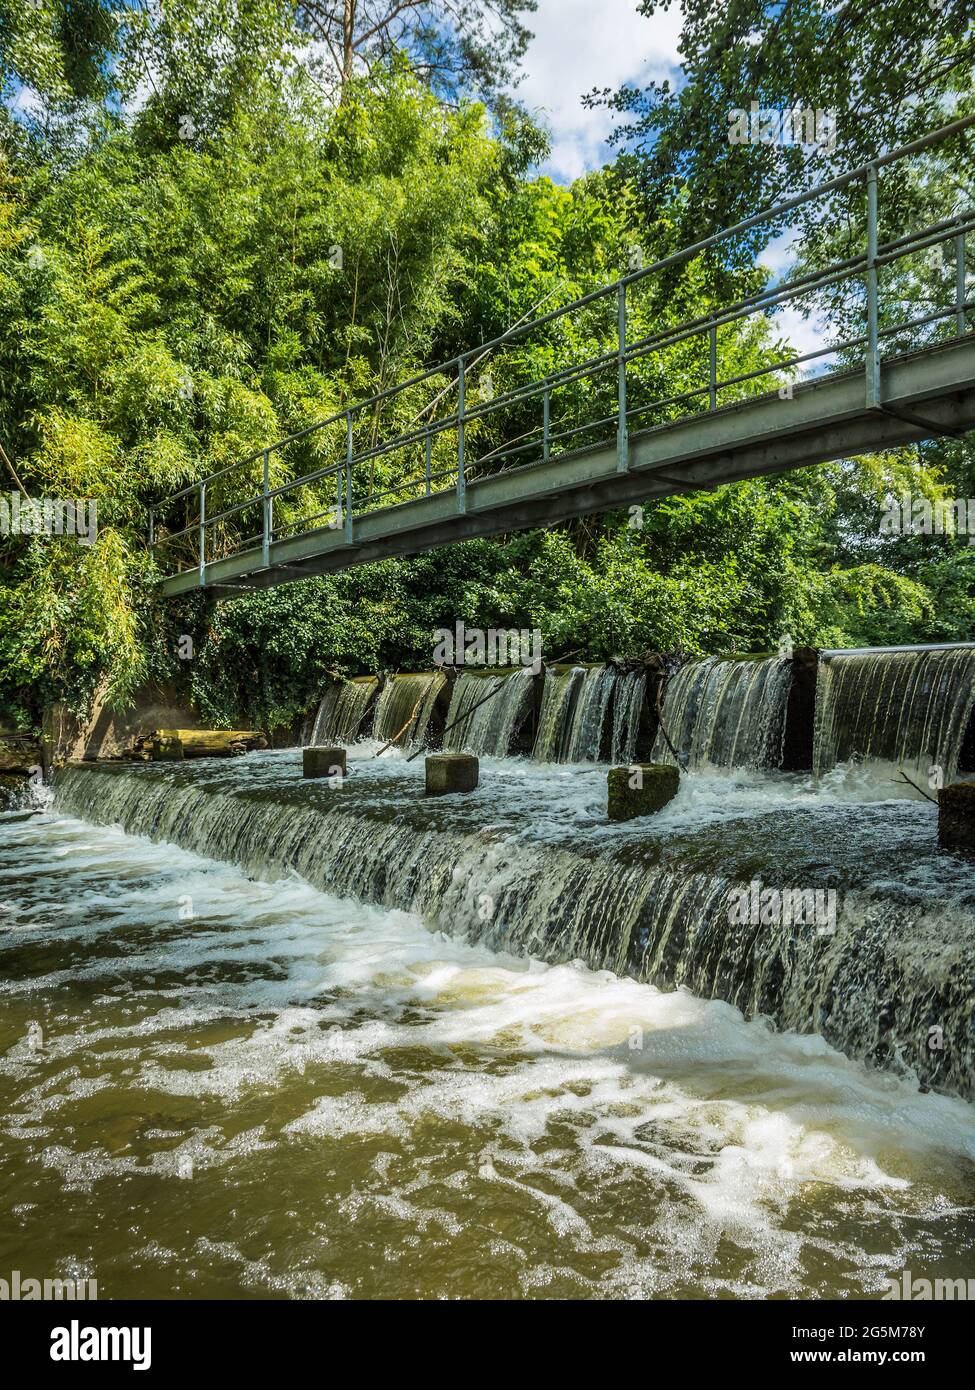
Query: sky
(584, 44)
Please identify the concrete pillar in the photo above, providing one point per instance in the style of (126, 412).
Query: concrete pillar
(323, 762)
(800, 713)
(956, 818)
(640, 789)
(451, 772)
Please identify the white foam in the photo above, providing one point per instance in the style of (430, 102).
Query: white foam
(347, 1025)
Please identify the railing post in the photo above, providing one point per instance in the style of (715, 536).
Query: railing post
(546, 421)
(461, 477)
(622, 440)
(203, 537)
(713, 366)
(428, 450)
(960, 284)
(266, 516)
(152, 528)
(348, 477)
(873, 336)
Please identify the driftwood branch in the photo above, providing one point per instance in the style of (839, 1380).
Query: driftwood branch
(396, 737)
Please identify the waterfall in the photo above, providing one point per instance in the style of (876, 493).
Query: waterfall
(558, 699)
(889, 969)
(489, 730)
(589, 715)
(910, 706)
(407, 700)
(631, 690)
(726, 713)
(342, 710)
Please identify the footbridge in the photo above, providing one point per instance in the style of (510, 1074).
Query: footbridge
(603, 403)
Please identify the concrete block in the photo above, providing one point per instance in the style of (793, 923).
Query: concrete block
(956, 818)
(323, 762)
(451, 772)
(641, 789)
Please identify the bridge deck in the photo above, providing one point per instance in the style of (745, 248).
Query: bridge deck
(923, 394)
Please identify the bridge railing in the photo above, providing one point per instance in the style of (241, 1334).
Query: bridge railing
(571, 377)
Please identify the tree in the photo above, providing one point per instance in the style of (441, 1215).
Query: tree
(889, 73)
(56, 47)
(453, 45)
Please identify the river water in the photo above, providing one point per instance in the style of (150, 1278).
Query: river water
(216, 1085)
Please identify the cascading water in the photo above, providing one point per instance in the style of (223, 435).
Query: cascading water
(342, 710)
(911, 707)
(658, 907)
(630, 693)
(558, 701)
(723, 713)
(488, 726)
(589, 715)
(405, 706)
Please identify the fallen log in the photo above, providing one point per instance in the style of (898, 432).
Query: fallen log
(201, 743)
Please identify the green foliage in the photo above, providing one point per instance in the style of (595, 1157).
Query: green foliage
(170, 303)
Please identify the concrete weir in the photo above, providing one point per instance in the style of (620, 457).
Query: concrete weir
(707, 904)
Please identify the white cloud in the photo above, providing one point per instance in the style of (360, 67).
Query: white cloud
(584, 44)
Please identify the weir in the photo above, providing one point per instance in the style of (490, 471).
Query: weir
(495, 726)
(726, 713)
(529, 863)
(405, 707)
(910, 706)
(343, 709)
(516, 867)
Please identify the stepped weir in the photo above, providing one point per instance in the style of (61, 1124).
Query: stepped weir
(518, 867)
(758, 821)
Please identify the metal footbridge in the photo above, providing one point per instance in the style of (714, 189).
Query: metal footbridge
(602, 406)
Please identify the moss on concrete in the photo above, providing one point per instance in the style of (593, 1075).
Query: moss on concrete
(641, 789)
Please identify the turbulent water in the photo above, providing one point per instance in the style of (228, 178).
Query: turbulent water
(405, 706)
(218, 1085)
(908, 707)
(529, 864)
(726, 713)
(487, 712)
(342, 711)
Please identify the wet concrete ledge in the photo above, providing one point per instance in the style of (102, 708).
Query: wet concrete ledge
(894, 972)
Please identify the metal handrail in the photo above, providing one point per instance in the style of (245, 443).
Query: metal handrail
(865, 264)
